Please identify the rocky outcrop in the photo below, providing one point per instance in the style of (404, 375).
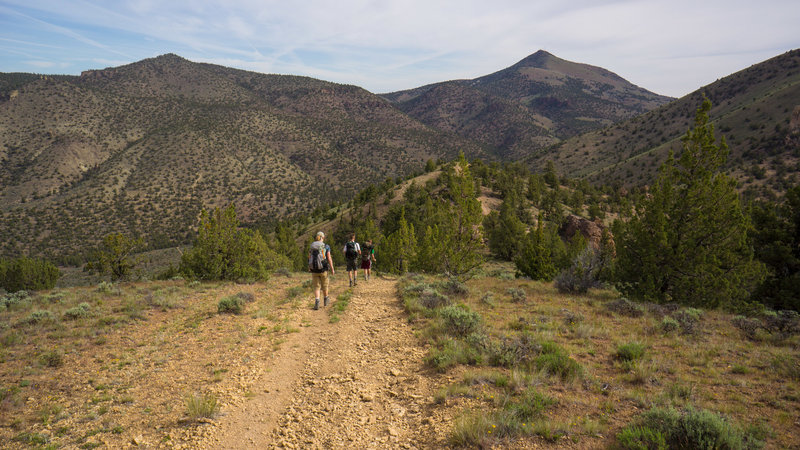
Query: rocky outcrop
(794, 122)
(591, 230)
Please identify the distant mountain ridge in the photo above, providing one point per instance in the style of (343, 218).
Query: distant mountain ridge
(533, 104)
(756, 109)
(141, 148)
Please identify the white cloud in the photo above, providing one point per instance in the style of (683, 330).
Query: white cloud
(667, 46)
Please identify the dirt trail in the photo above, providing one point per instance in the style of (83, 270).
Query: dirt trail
(351, 384)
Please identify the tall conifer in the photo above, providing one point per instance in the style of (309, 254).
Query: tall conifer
(687, 241)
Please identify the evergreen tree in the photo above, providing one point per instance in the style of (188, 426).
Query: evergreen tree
(399, 247)
(777, 244)
(28, 274)
(687, 241)
(504, 230)
(534, 258)
(285, 245)
(224, 251)
(459, 222)
(114, 256)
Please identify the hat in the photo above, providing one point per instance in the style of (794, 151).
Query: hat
(320, 234)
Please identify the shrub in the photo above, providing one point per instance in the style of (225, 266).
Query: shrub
(431, 299)
(284, 271)
(247, 297)
(518, 295)
(583, 274)
(15, 300)
(631, 351)
(668, 324)
(52, 358)
(453, 287)
(450, 352)
(27, 274)
(787, 366)
(783, 323)
(571, 318)
(641, 438)
(231, 305)
(488, 299)
(688, 318)
(558, 363)
(625, 307)
(201, 406)
(39, 316)
(531, 405)
(513, 351)
(107, 288)
(80, 311)
(458, 321)
(692, 428)
(747, 325)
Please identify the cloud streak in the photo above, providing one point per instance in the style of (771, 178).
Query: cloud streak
(670, 47)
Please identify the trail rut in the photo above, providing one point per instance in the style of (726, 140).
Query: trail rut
(357, 383)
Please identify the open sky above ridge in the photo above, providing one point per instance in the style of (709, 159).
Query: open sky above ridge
(670, 47)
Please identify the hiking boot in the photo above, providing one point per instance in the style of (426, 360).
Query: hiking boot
(316, 303)
(327, 299)
(355, 282)
(351, 283)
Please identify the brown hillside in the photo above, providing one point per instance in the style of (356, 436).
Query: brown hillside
(142, 148)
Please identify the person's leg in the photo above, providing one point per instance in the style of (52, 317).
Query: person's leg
(325, 284)
(316, 280)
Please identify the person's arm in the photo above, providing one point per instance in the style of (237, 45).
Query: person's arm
(330, 263)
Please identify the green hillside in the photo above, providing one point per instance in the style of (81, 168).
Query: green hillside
(755, 109)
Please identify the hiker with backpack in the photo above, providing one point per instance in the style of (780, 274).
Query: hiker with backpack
(367, 258)
(319, 263)
(352, 251)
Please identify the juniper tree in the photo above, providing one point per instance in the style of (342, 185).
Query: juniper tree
(687, 240)
(399, 247)
(504, 230)
(460, 222)
(113, 257)
(224, 251)
(777, 244)
(535, 258)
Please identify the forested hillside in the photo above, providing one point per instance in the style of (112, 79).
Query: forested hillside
(756, 109)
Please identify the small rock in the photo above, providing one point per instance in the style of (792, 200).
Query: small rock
(395, 372)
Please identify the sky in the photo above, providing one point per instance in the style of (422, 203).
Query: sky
(671, 47)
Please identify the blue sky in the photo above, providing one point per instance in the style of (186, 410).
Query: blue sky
(671, 47)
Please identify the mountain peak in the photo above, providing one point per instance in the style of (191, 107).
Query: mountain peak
(538, 59)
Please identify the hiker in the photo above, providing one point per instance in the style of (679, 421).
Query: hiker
(367, 258)
(351, 253)
(319, 263)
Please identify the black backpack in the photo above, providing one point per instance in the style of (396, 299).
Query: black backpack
(365, 253)
(317, 263)
(350, 251)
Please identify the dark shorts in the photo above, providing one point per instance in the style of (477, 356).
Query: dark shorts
(352, 264)
(366, 264)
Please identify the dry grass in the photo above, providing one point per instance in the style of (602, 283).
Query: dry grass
(132, 358)
(631, 364)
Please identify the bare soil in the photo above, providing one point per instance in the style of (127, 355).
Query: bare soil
(355, 383)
